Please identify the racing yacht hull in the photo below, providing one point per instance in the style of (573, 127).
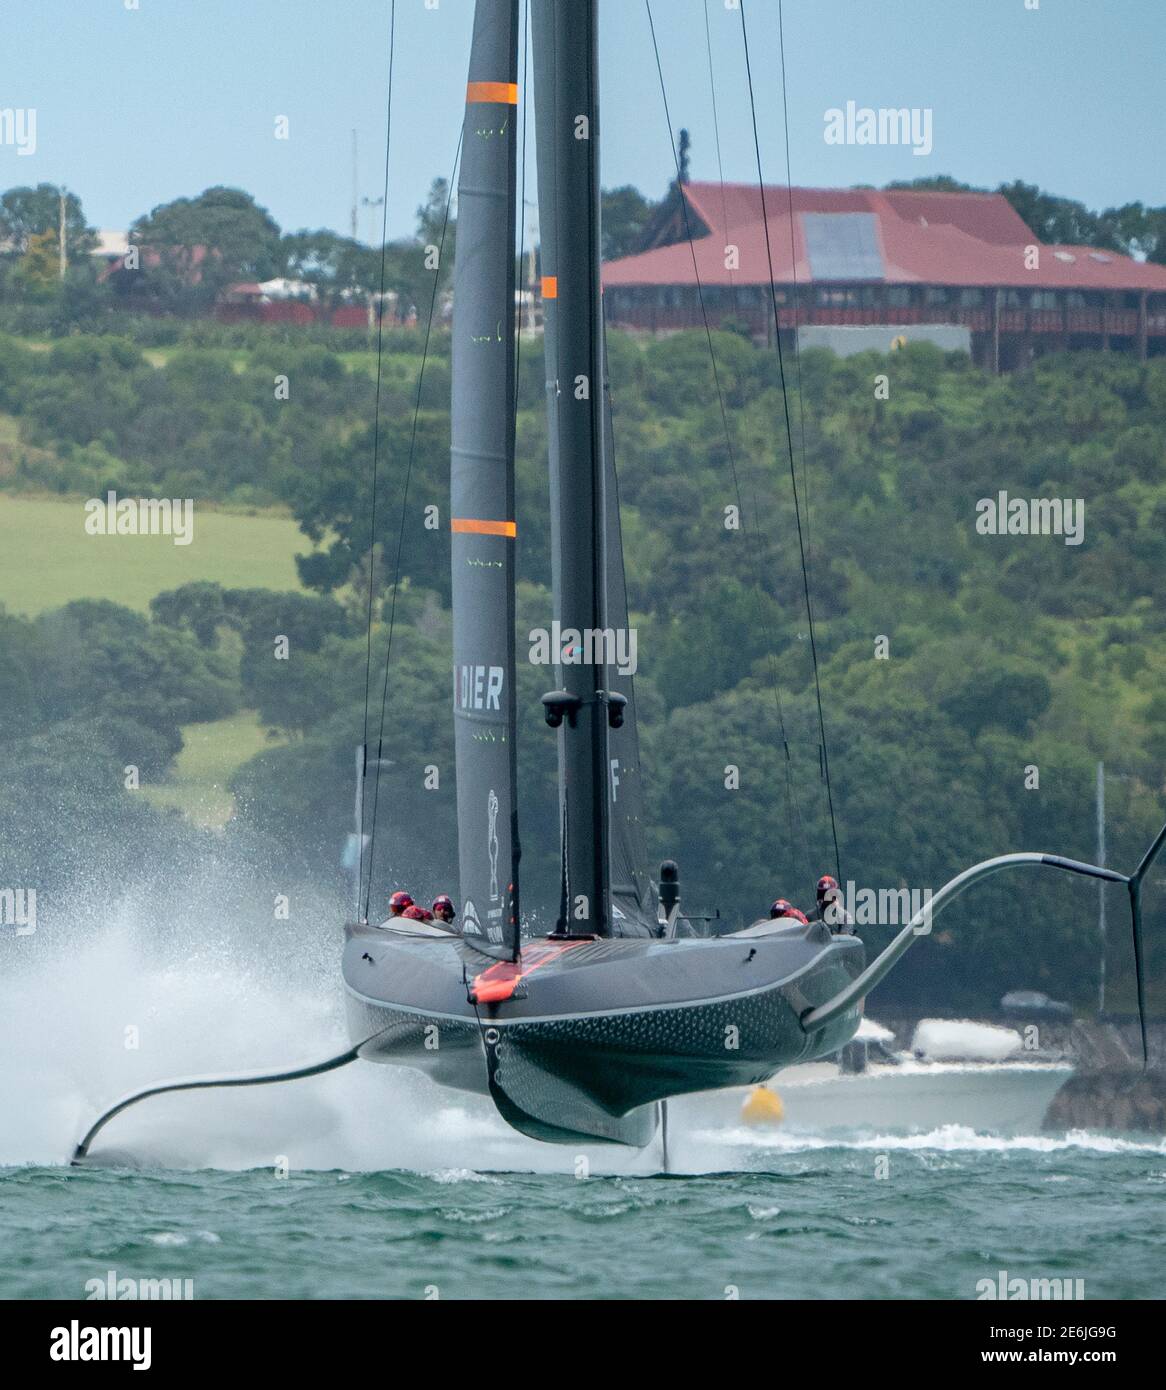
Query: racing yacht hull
(582, 1038)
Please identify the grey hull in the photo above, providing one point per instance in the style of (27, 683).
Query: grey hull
(594, 1038)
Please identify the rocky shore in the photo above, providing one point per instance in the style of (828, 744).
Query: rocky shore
(1109, 1088)
(1118, 1099)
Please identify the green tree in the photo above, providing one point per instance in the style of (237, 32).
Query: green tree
(208, 242)
(626, 214)
(31, 212)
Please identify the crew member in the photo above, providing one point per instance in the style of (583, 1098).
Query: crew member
(443, 908)
(417, 914)
(782, 907)
(829, 908)
(399, 904)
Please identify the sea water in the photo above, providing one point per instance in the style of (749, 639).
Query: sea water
(370, 1182)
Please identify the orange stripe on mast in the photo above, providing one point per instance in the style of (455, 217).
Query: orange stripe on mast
(505, 93)
(550, 287)
(468, 526)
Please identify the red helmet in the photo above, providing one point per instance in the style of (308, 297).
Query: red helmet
(781, 907)
(443, 907)
(827, 886)
(398, 903)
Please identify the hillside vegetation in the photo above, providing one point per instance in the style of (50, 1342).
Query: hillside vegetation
(970, 682)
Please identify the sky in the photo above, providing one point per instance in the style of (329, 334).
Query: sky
(141, 101)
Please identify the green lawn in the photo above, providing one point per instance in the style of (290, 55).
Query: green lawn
(47, 559)
(238, 358)
(198, 784)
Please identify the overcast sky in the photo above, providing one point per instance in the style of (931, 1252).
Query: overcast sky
(135, 107)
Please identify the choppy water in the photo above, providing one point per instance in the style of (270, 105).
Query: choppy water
(817, 1224)
(396, 1189)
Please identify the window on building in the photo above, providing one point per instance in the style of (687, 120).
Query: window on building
(1044, 299)
(898, 296)
(971, 299)
(935, 294)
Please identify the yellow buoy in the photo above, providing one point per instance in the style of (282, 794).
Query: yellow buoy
(899, 341)
(762, 1107)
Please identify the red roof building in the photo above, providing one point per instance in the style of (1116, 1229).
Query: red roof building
(897, 260)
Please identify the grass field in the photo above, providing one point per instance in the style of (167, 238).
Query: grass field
(47, 559)
(198, 784)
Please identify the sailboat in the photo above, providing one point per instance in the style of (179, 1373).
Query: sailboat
(579, 1034)
(582, 1034)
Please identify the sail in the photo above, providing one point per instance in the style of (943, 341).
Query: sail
(633, 892)
(482, 489)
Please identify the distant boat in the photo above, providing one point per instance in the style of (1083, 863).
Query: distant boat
(981, 1080)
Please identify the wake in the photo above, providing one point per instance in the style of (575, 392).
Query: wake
(91, 1012)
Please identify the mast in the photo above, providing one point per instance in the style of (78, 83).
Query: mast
(482, 488)
(565, 40)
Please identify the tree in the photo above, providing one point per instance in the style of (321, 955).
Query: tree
(39, 267)
(338, 266)
(1059, 220)
(435, 215)
(209, 242)
(31, 212)
(935, 183)
(626, 214)
(684, 150)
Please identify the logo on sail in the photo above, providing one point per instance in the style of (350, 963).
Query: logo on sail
(471, 926)
(478, 687)
(492, 842)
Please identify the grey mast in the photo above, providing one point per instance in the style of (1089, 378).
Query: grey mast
(482, 488)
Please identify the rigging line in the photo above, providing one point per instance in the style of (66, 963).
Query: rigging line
(767, 631)
(644, 779)
(790, 442)
(789, 183)
(404, 513)
(797, 837)
(372, 527)
(708, 44)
